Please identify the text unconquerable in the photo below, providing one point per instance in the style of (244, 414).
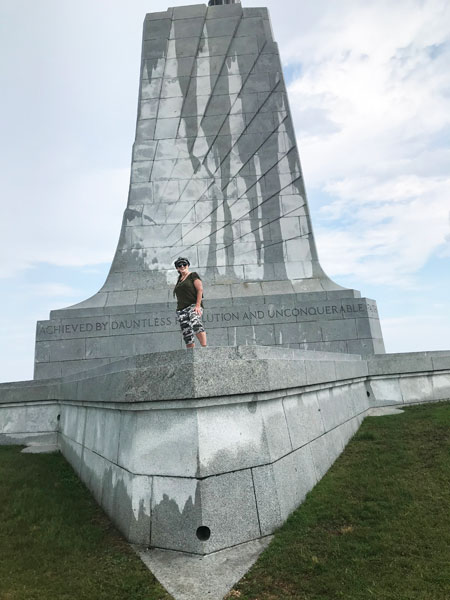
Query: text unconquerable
(268, 312)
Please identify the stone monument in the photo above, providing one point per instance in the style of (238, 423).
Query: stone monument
(202, 468)
(216, 177)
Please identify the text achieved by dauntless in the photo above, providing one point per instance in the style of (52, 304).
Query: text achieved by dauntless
(109, 325)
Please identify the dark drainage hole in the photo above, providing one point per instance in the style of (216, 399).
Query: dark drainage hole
(203, 534)
(368, 394)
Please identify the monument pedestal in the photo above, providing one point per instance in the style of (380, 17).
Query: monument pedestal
(74, 340)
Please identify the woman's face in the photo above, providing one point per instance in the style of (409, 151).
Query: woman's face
(183, 269)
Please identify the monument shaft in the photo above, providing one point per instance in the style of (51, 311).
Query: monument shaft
(216, 177)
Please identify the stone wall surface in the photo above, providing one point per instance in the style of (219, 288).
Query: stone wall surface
(230, 439)
(323, 321)
(215, 177)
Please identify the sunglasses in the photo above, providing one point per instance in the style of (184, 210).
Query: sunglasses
(179, 265)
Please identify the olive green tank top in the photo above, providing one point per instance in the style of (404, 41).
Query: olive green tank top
(185, 291)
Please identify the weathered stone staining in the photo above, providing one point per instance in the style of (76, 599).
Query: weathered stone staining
(222, 455)
(215, 176)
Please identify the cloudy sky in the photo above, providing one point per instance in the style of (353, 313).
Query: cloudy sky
(369, 85)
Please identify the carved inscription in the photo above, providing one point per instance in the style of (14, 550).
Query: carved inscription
(264, 313)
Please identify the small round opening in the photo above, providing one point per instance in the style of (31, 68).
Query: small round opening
(368, 394)
(203, 533)
(58, 417)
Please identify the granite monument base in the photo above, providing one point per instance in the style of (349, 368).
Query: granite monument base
(76, 339)
(201, 450)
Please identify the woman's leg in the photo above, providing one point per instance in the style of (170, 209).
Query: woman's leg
(186, 328)
(197, 326)
(202, 338)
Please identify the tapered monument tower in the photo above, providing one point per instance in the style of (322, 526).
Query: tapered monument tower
(215, 177)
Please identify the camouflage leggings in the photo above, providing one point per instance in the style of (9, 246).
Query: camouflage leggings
(190, 324)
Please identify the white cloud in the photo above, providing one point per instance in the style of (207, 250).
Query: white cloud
(372, 107)
(385, 232)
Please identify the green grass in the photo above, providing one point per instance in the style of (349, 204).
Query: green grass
(55, 543)
(377, 526)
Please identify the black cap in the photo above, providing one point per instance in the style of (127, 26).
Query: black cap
(219, 2)
(182, 261)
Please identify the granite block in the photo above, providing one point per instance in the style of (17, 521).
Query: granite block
(231, 435)
(153, 68)
(303, 416)
(229, 510)
(110, 347)
(339, 330)
(61, 350)
(47, 370)
(41, 418)
(94, 469)
(323, 454)
(416, 389)
(13, 420)
(160, 442)
(261, 335)
(224, 11)
(166, 128)
(391, 364)
(351, 369)
(252, 12)
(145, 129)
(182, 47)
(72, 452)
(214, 46)
(275, 428)
(157, 29)
(176, 514)
(319, 372)
(154, 48)
(441, 386)
(102, 433)
(336, 406)
(297, 333)
(131, 506)
(73, 422)
(189, 12)
(187, 28)
(366, 347)
(386, 390)
(281, 487)
(440, 361)
(157, 16)
(216, 337)
(225, 27)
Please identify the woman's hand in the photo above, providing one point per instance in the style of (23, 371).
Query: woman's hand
(199, 289)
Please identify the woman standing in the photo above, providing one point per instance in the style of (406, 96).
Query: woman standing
(189, 293)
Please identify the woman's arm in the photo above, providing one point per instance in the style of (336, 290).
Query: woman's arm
(199, 289)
